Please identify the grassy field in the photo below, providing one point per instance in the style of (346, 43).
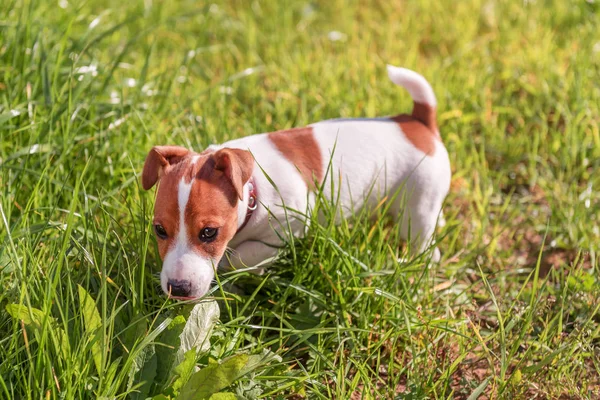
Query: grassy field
(512, 310)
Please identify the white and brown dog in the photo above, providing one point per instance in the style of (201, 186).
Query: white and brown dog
(222, 197)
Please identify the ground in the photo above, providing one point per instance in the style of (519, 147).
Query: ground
(510, 312)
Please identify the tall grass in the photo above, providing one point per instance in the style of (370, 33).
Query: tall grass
(86, 88)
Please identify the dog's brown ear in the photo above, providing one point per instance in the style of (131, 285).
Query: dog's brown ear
(237, 165)
(159, 158)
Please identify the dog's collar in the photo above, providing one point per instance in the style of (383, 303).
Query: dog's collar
(252, 203)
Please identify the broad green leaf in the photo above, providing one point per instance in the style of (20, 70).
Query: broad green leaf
(252, 363)
(142, 353)
(249, 389)
(111, 371)
(143, 372)
(34, 318)
(135, 332)
(184, 369)
(166, 350)
(199, 326)
(213, 378)
(223, 396)
(93, 323)
(256, 360)
(29, 315)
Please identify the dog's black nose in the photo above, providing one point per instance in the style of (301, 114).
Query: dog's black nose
(179, 288)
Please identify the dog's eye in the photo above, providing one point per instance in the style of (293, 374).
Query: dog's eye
(160, 231)
(208, 234)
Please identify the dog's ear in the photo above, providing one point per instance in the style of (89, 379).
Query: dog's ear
(237, 165)
(157, 160)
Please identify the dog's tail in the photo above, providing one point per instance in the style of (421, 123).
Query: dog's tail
(424, 108)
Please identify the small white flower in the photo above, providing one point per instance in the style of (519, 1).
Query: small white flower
(147, 90)
(63, 4)
(131, 82)
(116, 123)
(586, 196)
(114, 98)
(336, 36)
(87, 69)
(94, 23)
(248, 71)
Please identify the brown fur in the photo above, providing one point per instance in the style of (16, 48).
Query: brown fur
(237, 165)
(157, 160)
(427, 115)
(298, 145)
(212, 202)
(166, 209)
(420, 128)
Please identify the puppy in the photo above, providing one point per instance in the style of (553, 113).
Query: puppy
(221, 197)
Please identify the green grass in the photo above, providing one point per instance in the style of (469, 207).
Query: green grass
(512, 310)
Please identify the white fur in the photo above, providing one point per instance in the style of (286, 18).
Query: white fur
(374, 159)
(369, 153)
(418, 87)
(181, 261)
(289, 183)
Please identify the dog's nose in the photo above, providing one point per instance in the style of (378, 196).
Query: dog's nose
(179, 288)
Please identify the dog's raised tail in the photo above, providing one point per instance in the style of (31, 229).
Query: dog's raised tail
(425, 103)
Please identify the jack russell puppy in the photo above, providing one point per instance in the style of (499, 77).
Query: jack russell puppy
(221, 198)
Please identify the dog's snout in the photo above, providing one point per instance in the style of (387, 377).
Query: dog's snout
(179, 288)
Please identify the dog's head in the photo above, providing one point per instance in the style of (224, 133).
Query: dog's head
(196, 213)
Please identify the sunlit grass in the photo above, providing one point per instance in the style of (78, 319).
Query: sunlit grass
(86, 88)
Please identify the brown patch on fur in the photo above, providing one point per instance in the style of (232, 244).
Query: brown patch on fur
(166, 208)
(427, 115)
(237, 165)
(299, 146)
(212, 204)
(419, 134)
(159, 158)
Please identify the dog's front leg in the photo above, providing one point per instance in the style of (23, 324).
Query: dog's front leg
(251, 253)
